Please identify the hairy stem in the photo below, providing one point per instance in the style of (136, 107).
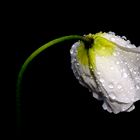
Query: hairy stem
(27, 62)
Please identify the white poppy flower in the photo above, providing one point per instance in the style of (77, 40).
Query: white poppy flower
(110, 69)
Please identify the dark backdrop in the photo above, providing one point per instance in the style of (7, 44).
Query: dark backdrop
(54, 104)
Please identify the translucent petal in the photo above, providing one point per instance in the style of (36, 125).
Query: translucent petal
(82, 72)
(115, 79)
(120, 78)
(132, 61)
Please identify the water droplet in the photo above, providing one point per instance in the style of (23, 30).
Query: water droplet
(131, 69)
(98, 73)
(117, 62)
(91, 77)
(90, 67)
(77, 64)
(128, 46)
(118, 53)
(78, 77)
(110, 86)
(124, 37)
(128, 41)
(101, 80)
(138, 58)
(114, 54)
(125, 75)
(137, 87)
(92, 70)
(126, 63)
(112, 33)
(112, 68)
(71, 51)
(119, 86)
(123, 70)
(112, 96)
(73, 60)
(137, 79)
(123, 108)
(134, 72)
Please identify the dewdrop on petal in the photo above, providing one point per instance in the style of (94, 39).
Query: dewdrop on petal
(110, 69)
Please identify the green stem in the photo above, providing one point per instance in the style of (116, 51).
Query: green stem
(27, 62)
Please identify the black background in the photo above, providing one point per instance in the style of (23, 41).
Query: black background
(54, 104)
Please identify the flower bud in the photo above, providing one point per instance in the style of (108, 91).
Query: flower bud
(110, 69)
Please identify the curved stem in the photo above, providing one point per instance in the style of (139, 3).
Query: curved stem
(29, 59)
